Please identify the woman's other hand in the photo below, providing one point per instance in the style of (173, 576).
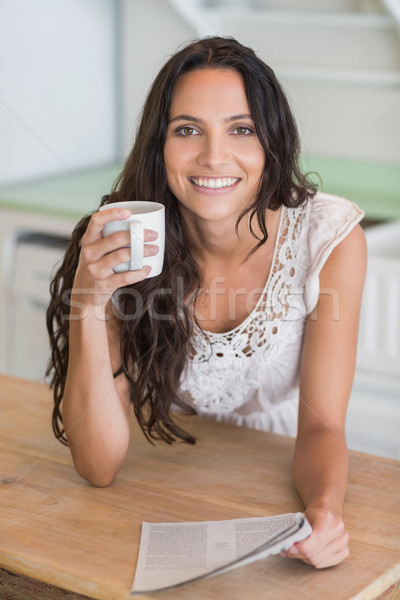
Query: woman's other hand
(327, 545)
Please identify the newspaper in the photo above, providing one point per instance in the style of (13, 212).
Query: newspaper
(172, 554)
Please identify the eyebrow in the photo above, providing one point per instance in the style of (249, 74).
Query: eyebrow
(198, 120)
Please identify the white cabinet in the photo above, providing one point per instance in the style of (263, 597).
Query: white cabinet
(35, 259)
(34, 216)
(373, 423)
(30, 246)
(373, 419)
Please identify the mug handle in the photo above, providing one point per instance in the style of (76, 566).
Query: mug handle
(137, 241)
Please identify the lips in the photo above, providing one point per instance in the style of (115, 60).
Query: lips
(214, 183)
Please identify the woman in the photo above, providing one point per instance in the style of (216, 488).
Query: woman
(261, 329)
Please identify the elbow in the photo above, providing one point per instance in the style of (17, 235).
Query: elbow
(100, 473)
(98, 466)
(100, 482)
(97, 477)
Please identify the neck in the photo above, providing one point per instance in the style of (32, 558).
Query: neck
(218, 241)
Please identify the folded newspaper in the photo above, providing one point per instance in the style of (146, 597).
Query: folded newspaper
(172, 554)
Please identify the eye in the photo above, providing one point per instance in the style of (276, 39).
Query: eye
(187, 131)
(243, 130)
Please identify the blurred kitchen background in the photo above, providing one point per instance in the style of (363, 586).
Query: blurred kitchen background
(73, 77)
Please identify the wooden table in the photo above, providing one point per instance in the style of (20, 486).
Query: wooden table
(57, 530)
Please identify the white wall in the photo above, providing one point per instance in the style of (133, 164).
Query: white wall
(150, 30)
(57, 86)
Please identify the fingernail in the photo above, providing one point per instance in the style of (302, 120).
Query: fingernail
(153, 249)
(125, 213)
(153, 235)
(147, 268)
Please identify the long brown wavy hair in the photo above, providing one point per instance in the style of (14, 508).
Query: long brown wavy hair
(157, 315)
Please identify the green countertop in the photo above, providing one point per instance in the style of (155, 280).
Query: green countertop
(72, 195)
(374, 187)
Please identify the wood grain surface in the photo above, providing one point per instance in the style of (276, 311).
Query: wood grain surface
(57, 529)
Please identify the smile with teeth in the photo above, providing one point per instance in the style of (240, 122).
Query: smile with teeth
(219, 182)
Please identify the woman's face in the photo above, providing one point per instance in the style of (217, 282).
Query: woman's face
(213, 157)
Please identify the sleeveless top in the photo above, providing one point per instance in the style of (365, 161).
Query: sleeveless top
(250, 375)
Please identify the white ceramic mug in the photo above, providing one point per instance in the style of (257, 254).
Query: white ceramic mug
(145, 215)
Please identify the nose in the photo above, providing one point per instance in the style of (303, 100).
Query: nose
(214, 151)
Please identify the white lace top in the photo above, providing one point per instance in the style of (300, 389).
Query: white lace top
(250, 375)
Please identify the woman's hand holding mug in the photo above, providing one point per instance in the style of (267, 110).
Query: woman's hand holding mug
(118, 250)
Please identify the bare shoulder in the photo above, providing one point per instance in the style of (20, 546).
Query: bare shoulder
(348, 260)
(354, 243)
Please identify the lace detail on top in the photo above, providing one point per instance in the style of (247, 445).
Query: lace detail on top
(234, 358)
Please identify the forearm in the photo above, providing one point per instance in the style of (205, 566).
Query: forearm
(320, 468)
(95, 421)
